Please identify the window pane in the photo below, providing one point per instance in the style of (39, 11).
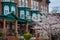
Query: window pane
(6, 10)
(32, 4)
(22, 15)
(6, 0)
(19, 3)
(13, 9)
(27, 15)
(35, 5)
(22, 3)
(26, 3)
(33, 16)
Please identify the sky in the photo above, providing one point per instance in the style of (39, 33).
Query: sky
(54, 3)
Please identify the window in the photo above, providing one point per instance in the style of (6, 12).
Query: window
(34, 16)
(38, 17)
(6, 0)
(27, 15)
(44, 9)
(26, 3)
(22, 15)
(19, 3)
(22, 3)
(35, 5)
(12, 1)
(13, 9)
(6, 10)
(32, 4)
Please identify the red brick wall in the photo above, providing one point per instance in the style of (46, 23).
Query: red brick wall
(29, 5)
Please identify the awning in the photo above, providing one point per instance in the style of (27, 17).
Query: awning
(21, 20)
(10, 16)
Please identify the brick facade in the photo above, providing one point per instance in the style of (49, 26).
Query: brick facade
(17, 21)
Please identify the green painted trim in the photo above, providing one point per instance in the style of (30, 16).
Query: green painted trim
(24, 9)
(34, 11)
(29, 21)
(21, 20)
(8, 17)
(10, 4)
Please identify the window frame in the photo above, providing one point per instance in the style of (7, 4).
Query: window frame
(34, 17)
(22, 13)
(13, 9)
(6, 8)
(27, 15)
(26, 1)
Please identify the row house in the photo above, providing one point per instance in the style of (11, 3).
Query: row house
(19, 16)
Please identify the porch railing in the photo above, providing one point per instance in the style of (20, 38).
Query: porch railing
(10, 33)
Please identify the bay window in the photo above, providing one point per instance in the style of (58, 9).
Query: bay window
(13, 9)
(6, 10)
(22, 14)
